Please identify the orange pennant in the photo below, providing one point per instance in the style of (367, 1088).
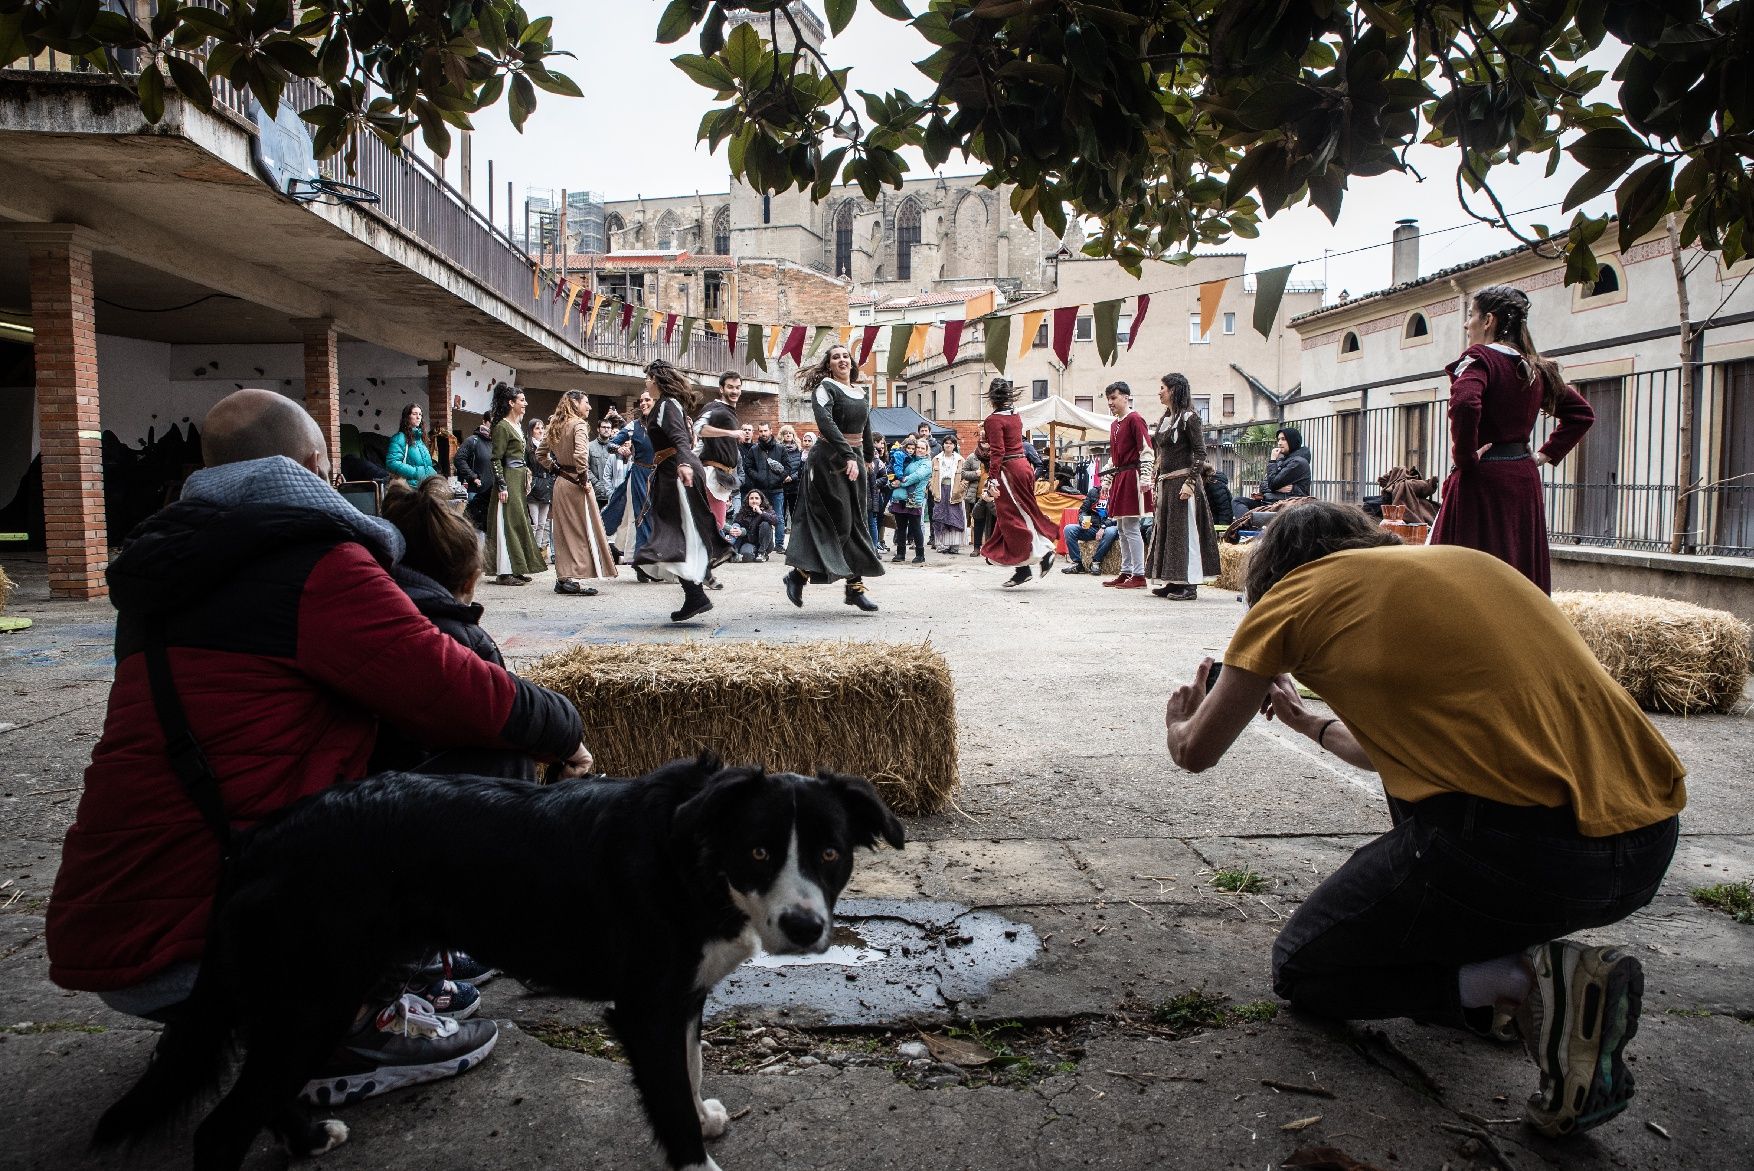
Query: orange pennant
(1031, 324)
(1210, 292)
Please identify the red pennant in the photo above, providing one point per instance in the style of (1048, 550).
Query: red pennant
(865, 343)
(669, 326)
(952, 339)
(1138, 319)
(626, 316)
(1065, 320)
(560, 288)
(794, 347)
(731, 337)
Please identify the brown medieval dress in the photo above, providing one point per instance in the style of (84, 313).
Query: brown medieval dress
(581, 547)
(1184, 549)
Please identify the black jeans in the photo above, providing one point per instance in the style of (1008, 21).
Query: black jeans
(1458, 880)
(907, 526)
(757, 543)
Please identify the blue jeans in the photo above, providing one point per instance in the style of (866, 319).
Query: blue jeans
(877, 528)
(1104, 539)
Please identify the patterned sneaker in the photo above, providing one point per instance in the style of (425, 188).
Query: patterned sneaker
(404, 1045)
(1576, 1023)
(454, 965)
(456, 999)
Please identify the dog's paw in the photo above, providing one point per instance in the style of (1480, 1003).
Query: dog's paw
(334, 1134)
(714, 1118)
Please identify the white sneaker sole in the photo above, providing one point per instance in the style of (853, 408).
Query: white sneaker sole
(345, 1091)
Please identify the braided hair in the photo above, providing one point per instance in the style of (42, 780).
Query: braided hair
(1001, 393)
(1509, 307)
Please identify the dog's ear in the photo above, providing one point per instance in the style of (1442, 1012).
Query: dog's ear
(870, 816)
(715, 792)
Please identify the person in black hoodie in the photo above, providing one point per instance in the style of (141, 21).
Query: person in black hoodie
(1218, 497)
(1288, 472)
(474, 467)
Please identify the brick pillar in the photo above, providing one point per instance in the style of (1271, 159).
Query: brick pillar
(438, 411)
(323, 381)
(63, 313)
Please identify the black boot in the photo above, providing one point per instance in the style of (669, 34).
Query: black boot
(1023, 574)
(639, 572)
(795, 583)
(694, 601)
(857, 597)
(1047, 562)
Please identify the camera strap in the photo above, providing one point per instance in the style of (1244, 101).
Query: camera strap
(187, 760)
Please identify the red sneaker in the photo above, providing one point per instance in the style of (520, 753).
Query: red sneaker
(1135, 582)
(1116, 582)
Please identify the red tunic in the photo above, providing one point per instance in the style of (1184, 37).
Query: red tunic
(1015, 513)
(1127, 438)
(1496, 506)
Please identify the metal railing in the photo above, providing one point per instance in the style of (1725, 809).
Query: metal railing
(1617, 488)
(416, 201)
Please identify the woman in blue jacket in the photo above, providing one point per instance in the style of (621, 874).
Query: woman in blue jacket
(907, 500)
(409, 456)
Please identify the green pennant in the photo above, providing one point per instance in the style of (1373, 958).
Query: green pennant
(1269, 291)
(757, 351)
(898, 339)
(998, 341)
(816, 340)
(687, 335)
(638, 324)
(1108, 320)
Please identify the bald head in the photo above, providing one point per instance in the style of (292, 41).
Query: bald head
(255, 424)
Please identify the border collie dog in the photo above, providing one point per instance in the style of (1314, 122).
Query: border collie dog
(645, 892)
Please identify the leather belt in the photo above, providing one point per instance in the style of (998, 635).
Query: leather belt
(663, 455)
(1508, 451)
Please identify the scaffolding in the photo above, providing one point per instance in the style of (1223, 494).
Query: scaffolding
(583, 219)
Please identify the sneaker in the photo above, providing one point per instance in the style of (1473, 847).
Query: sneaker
(1576, 1023)
(457, 999)
(455, 965)
(404, 1045)
(1131, 582)
(1073, 568)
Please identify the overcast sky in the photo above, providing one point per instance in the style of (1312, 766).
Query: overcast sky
(633, 133)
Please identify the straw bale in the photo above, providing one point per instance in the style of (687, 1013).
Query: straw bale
(1233, 566)
(1671, 656)
(878, 710)
(6, 588)
(1111, 562)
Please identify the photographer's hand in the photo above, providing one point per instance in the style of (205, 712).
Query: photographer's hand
(1200, 728)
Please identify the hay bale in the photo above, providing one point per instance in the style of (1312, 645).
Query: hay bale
(1111, 564)
(6, 588)
(1671, 656)
(1233, 566)
(879, 710)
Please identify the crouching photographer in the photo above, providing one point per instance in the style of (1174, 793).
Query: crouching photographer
(1530, 796)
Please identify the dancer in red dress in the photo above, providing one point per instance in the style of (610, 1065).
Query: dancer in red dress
(1492, 501)
(1127, 440)
(1021, 533)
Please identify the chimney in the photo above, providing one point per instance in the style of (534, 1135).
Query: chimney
(1406, 252)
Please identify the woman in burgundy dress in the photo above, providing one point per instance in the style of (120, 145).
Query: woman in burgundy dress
(1021, 533)
(1498, 387)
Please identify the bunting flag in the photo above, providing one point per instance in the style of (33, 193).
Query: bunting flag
(626, 316)
(639, 322)
(560, 286)
(1031, 325)
(845, 334)
(900, 338)
(1107, 315)
(1065, 321)
(816, 340)
(687, 335)
(731, 337)
(714, 325)
(1210, 292)
(572, 297)
(865, 343)
(773, 342)
(755, 353)
(916, 346)
(1269, 291)
(998, 341)
(657, 323)
(669, 327)
(596, 307)
(952, 340)
(794, 347)
(535, 282)
(1138, 318)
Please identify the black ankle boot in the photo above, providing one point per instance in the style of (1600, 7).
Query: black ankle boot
(795, 583)
(639, 572)
(694, 601)
(1023, 574)
(857, 597)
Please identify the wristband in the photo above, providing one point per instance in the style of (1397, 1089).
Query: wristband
(1323, 734)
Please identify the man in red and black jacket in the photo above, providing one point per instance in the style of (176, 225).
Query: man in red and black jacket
(287, 641)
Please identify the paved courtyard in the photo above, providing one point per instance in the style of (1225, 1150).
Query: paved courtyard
(1065, 911)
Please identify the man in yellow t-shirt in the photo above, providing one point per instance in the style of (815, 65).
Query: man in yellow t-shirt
(1531, 797)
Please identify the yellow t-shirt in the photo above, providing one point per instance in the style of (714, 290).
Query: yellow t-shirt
(1456, 674)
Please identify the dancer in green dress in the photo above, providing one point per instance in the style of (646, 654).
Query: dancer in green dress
(511, 545)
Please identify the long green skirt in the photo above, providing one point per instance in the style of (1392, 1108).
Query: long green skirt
(511, 544)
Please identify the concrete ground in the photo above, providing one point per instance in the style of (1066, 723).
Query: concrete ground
(1086, 853)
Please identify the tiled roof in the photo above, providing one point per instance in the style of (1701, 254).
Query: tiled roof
(927, 299)
(583, 260)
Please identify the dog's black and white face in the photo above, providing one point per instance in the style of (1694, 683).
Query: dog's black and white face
(784, 845)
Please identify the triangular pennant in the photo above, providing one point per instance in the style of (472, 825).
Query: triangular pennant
(560, 287)
(900, 336)
(952, 339)
(596, 307)
(816, 340)
(639, 322)
(845, 334)
(916, 346)
(669, 327)
(713, 325)
(1065, 321)
(756, 353)
(1138, 318)
(657, 322)
(794, 347)
(1107, 316)
(1210, 292)
(773, 342)
(731, 337)
(573, 292)
(687, 335)
(535, 282)
(1269, 291)
(1031, 325)
(626, 316)
(998, 341)
(865, 344)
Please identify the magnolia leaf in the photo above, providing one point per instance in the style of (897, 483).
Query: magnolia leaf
(744, 51)
(678, 18)
(840, 14)
(707, 71)
(522, 100)
(150, 87)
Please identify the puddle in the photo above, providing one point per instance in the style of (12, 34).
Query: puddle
(890, 961)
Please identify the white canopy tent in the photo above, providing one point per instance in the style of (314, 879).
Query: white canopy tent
(1051, 414)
